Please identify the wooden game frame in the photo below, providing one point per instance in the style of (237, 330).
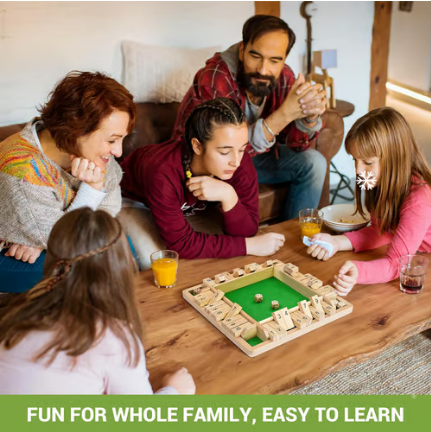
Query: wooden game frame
(209, 300)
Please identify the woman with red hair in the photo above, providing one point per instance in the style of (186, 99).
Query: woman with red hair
(61, 161)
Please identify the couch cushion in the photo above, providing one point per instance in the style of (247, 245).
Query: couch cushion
(154, 125)
(7, 131)
(159, 73)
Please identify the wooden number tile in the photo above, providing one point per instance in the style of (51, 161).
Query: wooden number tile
(234, 327)
(313, 282)
(199, 289)
(236, 322)
(238, 272)
(315, 301)
(330, 300)
(208, 282)
(341, 302)
(267, 264)
(217, 296)
(329, 297)
(236, 309)
(298, 321)
(223, 307)
(308, 321)
(280, 330)
(219, 314)
(279, 318)
(262, 333)
(237, 331)
(297, 276)
(202, 299)
(324, 291)
(250, 268)
(228, 276)
(328, 289)
(227, 321)
(215, 304)
(329, 310)
(287, 318)
(304, 308)
(249, 331)
(304, 280)
(220, 278)
(318, 315)
(272, 333)
(290, 269)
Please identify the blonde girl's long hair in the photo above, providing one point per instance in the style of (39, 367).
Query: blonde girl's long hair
(384, 133)
(87, 288)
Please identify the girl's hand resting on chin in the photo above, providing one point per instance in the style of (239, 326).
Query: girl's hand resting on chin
(206, 188)
(346, 279)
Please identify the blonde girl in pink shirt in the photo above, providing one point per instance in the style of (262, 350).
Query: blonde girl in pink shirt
(382, 142)
(79, 331)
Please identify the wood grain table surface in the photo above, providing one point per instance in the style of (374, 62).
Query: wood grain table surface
(177, 335)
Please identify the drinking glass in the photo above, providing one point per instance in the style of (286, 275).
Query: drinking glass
(165, 265)
(310, 221)
(413, 270)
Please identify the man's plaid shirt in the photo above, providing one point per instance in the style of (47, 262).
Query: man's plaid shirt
(216, 80)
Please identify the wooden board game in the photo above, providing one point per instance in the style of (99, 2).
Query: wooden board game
(231, 302)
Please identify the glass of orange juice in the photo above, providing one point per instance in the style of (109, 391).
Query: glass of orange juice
(165, 265)
(311, 221)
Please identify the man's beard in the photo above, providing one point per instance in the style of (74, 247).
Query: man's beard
(260, 89)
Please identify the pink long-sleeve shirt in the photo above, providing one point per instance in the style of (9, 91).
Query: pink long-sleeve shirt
(413, 234)
(102, 369)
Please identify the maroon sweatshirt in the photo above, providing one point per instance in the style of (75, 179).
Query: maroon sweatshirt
(154, 175)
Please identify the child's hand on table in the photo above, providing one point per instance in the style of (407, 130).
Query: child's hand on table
(346, 279)
(181, 380)
(318, 252)
(264, 244)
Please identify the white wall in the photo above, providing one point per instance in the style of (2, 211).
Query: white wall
(41, 41)
(347, 27)
(410, 46)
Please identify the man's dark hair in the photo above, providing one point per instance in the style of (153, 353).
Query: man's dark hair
(258, 25)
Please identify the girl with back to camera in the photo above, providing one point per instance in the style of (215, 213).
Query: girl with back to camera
(382, 142)
(79, 331)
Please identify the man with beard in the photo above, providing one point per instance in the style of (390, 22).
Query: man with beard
(283, 113)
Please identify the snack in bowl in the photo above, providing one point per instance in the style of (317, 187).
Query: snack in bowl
(342, 218)
(346, 220)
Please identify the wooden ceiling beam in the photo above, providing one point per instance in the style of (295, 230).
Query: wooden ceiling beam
(267, 8)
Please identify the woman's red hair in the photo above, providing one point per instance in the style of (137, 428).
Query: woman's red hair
(79, 103)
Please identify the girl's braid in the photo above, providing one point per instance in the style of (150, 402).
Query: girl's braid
(63, 267)
(226, 111)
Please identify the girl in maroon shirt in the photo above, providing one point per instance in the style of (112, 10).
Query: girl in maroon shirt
(207, 165)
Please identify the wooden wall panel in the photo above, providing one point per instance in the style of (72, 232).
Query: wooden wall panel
(267, 8)
(380, 53)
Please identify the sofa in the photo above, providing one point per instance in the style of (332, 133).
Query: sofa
(155, 122)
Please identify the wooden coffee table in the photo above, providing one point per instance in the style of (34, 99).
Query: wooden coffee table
(176, 335)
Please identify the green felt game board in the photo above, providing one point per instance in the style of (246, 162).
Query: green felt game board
(271, 289)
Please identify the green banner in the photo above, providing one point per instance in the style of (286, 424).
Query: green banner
(214, 413)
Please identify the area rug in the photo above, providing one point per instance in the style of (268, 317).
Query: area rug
(404, 368)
